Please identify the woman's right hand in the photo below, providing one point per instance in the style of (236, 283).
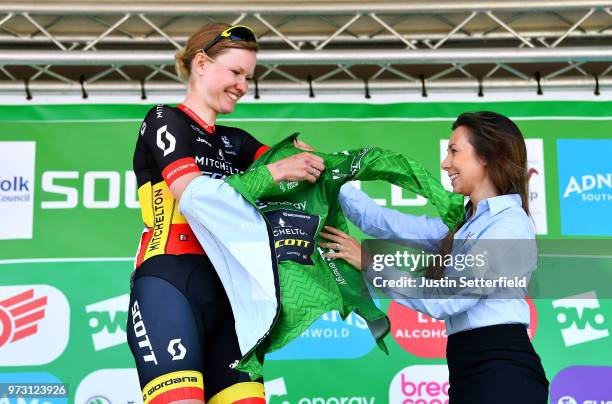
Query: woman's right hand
(299, 167)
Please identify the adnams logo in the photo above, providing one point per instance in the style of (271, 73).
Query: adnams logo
(34, 324)
(16, 189)
(581, 318)
(107, 320)
(585, 186)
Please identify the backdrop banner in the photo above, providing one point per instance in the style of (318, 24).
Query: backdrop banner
(70, 226)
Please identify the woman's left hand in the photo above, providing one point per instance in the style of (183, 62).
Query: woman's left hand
(344, 246)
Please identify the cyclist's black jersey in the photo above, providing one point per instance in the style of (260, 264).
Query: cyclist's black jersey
(174, 142)
(181, 327)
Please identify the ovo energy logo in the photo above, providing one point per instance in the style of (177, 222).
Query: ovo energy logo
(581, 318)
(278, 388)
(34, 324)
(107, 320)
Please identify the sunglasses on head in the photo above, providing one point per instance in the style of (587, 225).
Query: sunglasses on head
(235, 33)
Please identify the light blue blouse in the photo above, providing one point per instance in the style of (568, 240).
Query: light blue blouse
(500, 217)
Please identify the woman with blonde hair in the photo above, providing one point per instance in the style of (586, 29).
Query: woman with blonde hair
(181, 326)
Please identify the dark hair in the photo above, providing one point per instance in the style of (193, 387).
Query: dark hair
(199, 40)
(499, 142)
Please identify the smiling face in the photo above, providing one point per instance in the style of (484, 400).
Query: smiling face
(222, 81)
(466, 170)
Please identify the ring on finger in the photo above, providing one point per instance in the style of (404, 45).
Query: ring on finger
(338, 246)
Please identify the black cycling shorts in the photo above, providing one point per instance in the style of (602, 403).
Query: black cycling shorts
(181, 332)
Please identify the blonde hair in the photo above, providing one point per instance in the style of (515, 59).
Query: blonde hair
(199, 40)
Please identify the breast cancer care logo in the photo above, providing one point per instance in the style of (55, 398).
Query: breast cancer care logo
(420, 384)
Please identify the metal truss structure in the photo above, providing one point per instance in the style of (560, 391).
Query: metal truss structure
(68, 47)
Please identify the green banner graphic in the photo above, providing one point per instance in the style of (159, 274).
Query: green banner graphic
(70, 226)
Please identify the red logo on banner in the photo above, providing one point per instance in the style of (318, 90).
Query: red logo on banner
(426, 337)
(417, 333)
(18, 316)
(533, 318)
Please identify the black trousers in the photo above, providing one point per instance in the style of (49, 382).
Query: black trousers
(495, 364)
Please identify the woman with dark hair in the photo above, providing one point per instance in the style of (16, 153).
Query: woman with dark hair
(181, 327)
(489, 354)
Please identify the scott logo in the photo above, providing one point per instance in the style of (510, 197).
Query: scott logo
(143, 128)
(176, 343)
(141, 334)
(107, 320)
(164, 136)
(580, 318)
(19, 315)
